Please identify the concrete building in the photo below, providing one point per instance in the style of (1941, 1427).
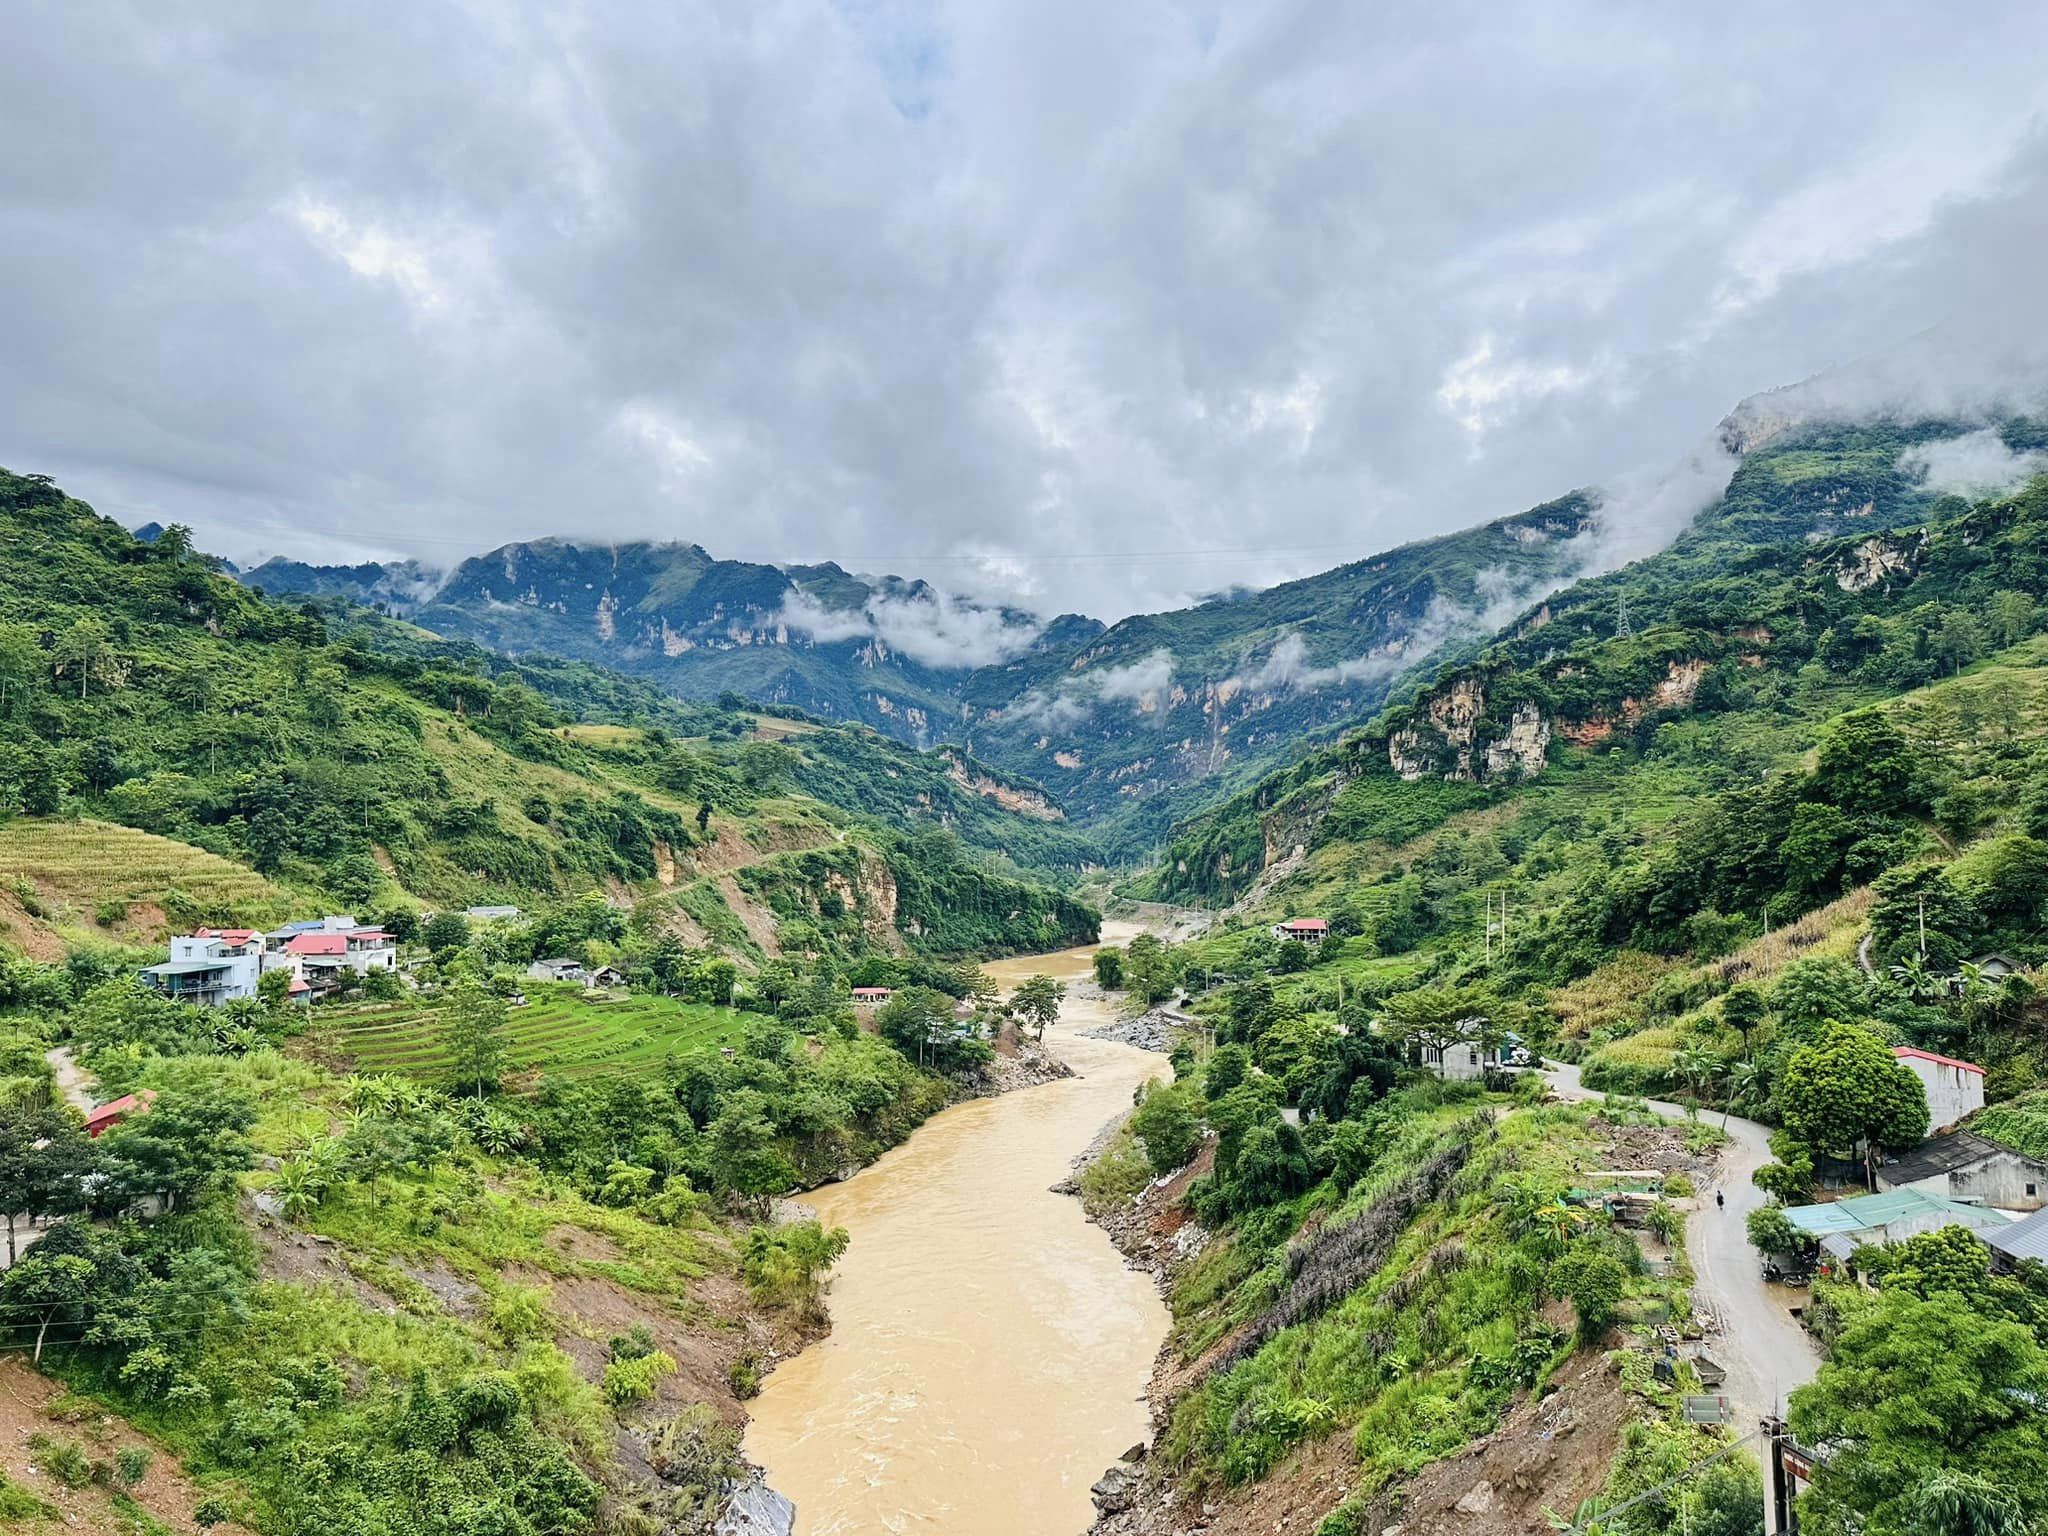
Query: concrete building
(210, 967)
(1966, 1167)
(1841, 1226)
(560, 968)
(1954, 1088)
(871, 997)
(1309, 930)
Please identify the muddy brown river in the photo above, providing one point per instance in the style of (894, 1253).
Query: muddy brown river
(989, 1350)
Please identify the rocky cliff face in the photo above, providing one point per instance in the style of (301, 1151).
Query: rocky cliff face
(1876, 561)
(1025, 802)
(1447, 739)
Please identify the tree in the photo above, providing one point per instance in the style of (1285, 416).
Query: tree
(84, 646)
(919, 1022)
(20, 659)
(1038, 999)
(175, 543)
(1435, 1018)
(1913, 1388)
(1865, 763)
(48, 1286)
(44, 1155)
(1809, 993)
(1847, 1087)
(189, 1145)
(1963, 1504)
(473, 1036)
(1593, 1281)
(1168, 1128)
(744, 1156)
(2012, 615)
(1742, 1010)
(1225, 1069)
(1109, 968)
(1771, 1230)
(785, 1266)
(445, 931)
(1960, 640)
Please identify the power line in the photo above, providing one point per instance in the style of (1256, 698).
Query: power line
(1577, 1529)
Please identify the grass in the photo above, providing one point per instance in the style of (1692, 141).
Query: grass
(96, 861)
(561, 1035)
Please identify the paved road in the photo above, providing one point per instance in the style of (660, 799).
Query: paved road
(1765, 1349)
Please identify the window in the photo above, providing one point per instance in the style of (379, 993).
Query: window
(2030, 1189)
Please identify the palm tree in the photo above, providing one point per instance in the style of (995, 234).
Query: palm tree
(1745, 1082)
(1700, 1068)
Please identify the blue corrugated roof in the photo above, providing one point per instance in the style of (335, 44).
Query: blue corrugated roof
(1866, 1213)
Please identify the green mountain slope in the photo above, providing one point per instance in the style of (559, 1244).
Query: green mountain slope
(351, 756)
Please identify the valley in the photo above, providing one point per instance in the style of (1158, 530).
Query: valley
(691, 1149)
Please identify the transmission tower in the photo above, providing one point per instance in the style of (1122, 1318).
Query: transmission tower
(1622, 628)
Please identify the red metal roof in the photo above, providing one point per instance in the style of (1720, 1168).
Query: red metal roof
(104, 1115)
(1315, 924)
(230, 935)
(1903, 1052)
(318, 944)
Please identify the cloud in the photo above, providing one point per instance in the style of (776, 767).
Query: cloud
(1105, 308)
(1142, 684)
(1974, 464)
(930, 627)
(1501, 595)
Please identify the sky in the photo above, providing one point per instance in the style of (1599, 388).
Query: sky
(1089, 307)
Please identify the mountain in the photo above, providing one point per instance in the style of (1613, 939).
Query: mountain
(350, 758)
(882, 651)
(1135, 726)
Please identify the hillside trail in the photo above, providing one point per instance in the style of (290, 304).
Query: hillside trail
(1765, 1349)
(73, 1081)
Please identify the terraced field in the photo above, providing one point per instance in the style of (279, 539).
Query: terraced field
(94, 861)
(562, 1035)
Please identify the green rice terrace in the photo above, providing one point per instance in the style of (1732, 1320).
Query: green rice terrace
(561, 1036)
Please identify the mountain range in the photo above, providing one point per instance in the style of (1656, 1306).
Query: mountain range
(1132, 726)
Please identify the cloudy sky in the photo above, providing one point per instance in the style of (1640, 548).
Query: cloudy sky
(1094, 305)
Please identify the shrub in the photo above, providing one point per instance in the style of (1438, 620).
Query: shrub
(63, 1461)
(634, 1380)
(213, 1510)
(1771, 1231)
(1593, 1281)
(131, 1465)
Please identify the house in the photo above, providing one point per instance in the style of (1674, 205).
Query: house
(210, 967)
(605, 976)
(871, 997)
(1309, 930)
(1963, 1166)
(1996, 967)
(1844, 1225)
(114, 1111)
(1954, 1088)
(561, 968)
(2022, 1240)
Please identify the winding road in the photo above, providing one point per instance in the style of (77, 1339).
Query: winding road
(1766, 1350)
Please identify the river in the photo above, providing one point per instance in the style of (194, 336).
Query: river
(989, 1350)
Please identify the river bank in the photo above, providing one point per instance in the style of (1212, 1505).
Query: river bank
(988, 1348)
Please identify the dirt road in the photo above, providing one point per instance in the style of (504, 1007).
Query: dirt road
(1765, 1349)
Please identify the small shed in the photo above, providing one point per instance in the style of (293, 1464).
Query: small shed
(559, 968)
(1888, 1218)
(114, 1111)
(2022, 1240)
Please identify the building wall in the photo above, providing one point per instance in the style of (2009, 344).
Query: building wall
(2008, 1181)
(1951, 1092)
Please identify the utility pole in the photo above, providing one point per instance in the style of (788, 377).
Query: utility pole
(1923, 925)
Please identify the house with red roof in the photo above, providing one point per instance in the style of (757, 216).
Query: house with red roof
(1308, 930)
(1955, 1088)
(871, 997)
(114, 1111)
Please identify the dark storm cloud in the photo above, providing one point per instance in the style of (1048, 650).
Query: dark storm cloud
(976, 292)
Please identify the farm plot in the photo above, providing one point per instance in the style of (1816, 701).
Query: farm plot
(93, 861)
(561, 1036)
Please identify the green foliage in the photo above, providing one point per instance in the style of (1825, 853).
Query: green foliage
(1847, 1086)
(1915, 1387)
(635, 1378)
(1168, 1126)
(1771, 1232)
(785, 1266)
(1593, 1280)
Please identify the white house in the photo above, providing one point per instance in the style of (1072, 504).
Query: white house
(1309, 930)
(871, 997)
(1966, 1167)
(1954, 1088)
(558, 969)
(210, 967)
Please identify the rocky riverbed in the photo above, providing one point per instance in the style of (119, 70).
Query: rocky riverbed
(1156, 1029)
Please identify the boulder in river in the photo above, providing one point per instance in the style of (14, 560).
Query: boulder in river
(757, 1510)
